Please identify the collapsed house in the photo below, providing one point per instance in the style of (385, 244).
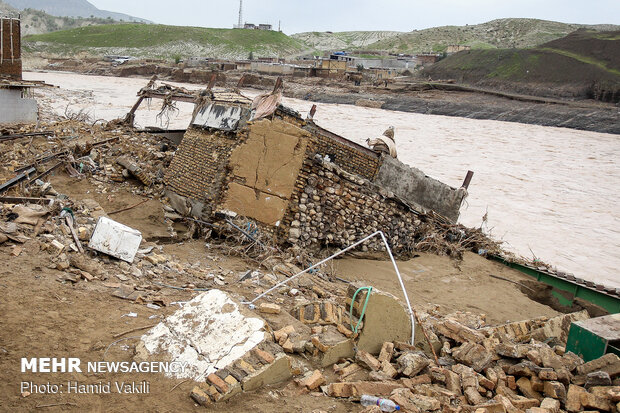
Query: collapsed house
(16, 102)
(299, 182)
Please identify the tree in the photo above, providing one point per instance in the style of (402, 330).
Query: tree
(251, 56)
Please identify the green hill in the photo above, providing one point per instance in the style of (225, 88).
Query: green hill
(584, 64)
(154, 40)
(342, 40)
(501, 33)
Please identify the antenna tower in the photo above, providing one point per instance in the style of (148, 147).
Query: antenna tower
(239, 25)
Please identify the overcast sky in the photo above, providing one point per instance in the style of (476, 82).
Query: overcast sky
(334, 15)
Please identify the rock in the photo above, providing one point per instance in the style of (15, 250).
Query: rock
(473, 396)
(555, 390)
(473, 355)
(405, 399)
(410, 364)
(525, 386)
(415, 381)
(388, 369)
(610, 363)
(593, 402)
(537, 384)
(547, 374)
(524, 369)
(597, 378)
(269, 308)
(200, 397)
(573, 398)
(282, 334)
(551, 405)
(458, 332)
(518, 351)
(313, 381)
(453, 381)
(368, 360)
(387, 351)
(571, 361)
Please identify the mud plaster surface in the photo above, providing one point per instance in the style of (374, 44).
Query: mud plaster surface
(268, 163)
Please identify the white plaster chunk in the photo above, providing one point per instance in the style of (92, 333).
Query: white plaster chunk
(208, 333)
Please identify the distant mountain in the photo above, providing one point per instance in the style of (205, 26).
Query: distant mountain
(500, 33)
(39, 22)
(71, 8)
(496, 34)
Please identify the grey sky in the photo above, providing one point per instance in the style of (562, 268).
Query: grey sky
(399, 15)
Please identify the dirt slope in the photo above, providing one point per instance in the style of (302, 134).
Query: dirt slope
(584, 64)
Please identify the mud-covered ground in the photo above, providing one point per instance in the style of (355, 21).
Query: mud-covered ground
(43, 316)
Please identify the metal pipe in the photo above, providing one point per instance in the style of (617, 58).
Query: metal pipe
(402, 285)
(387, 246)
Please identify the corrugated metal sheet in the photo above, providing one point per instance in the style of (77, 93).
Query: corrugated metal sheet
(221, 117)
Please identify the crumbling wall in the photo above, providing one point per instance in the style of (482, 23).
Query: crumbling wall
(335, 208)
(10, 55)
(348, 155)
(198, 170)
(264, 169)
(413, 186)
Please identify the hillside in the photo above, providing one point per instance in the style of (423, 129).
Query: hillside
(71, 8)
(342, 40)
(502, 34)
(164, 41)
(584, 64)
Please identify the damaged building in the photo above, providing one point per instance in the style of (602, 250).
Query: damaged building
(302, 183)
(16, 102)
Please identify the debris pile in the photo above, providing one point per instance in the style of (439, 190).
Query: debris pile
(482, 370)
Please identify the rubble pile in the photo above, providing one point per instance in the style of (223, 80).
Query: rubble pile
(482, 370)
(314, 329)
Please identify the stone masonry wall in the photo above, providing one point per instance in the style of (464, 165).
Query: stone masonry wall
(199, 168)
(11, 63)
(335, 208)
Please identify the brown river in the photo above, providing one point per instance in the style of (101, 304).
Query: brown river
(549, 193)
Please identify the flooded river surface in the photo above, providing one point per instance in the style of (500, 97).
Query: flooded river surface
(548, 192)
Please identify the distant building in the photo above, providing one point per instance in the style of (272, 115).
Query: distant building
(451, 49)
(428, 58)
(262, 26)
(380, 73)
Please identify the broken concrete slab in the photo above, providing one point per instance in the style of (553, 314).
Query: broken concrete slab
(385, 320)
(208, 333)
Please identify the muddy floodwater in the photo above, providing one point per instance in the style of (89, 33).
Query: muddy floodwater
(548, 192)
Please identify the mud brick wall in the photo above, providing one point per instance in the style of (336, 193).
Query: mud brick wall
(199, 167)
(335, 208)
(11, 63)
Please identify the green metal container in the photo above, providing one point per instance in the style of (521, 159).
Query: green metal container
(593, 338)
